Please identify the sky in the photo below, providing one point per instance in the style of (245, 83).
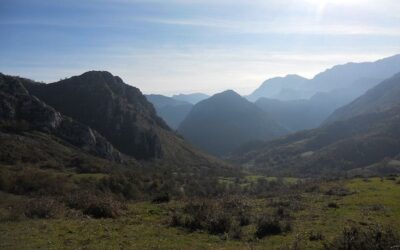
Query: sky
(185, 46)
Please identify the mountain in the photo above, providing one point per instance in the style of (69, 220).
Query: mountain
(357, 144)
(191, 98)
(123, 115)
(382, 97)
(365, 144)
(172, 111)
(22, 112)
(303, 114)
(282, 88)
(353, 77)
(225, 121)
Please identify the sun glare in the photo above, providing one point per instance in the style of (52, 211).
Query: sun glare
(334, 2)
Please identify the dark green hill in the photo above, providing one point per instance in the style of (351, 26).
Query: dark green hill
(225, 121)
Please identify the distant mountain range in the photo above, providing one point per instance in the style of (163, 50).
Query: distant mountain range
(290, 87)
(72, 110)
(171, 110)
(352, 77)
(379, 98)
(191, 98)
(364, 139)
(303, 114)
(225, 121)
(298, 103)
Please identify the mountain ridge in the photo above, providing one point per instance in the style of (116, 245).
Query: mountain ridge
(122, 114)
(226, 120)
(378, 98)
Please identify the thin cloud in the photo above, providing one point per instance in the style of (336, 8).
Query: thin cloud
(297, 28)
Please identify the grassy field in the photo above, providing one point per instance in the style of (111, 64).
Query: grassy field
(146, 225)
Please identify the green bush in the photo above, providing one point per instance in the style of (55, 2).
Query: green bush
(314, 236)
(224, 216)
(97, 206)
(333, 205)
(161, 198)
(35, 181)
(372, 238)
(271, 225)
(42, 208)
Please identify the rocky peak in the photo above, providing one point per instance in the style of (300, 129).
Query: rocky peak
(16, 105)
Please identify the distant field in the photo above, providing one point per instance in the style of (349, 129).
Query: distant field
(145, 225)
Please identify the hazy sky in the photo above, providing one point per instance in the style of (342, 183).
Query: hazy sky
(172, 46)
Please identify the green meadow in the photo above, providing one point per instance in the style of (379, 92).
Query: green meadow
(322, 214)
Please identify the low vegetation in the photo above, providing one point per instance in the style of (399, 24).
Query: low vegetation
(292, 215)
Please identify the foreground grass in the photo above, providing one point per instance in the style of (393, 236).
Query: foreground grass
(145, 225)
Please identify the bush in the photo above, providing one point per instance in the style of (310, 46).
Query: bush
(42, 208)
(391, 178)
(35, 181)
(103, 206)
(235, 230)
(267, 226)
(314, 236)
(161, 198)
(270, 225)
(372, 238)
(333, 205)
(216, 216)
(338, 191)
(218, 223)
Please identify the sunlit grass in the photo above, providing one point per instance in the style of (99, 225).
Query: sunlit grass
(145, 225)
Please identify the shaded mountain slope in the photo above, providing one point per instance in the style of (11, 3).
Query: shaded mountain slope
(338, 148)
(379, 98)
(225, 121)
(124, 116)
(21, 111)
(118, 111)
(172, 111)
(303, 114)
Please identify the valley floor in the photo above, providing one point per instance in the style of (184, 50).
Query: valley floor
(322, 217)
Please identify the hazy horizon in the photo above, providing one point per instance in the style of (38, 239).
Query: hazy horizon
(193, 46)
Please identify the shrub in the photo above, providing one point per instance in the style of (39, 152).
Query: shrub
(372, 238)
(338, 191)
(235, 230)
(333, 205)
(391, 178)
(103, 206)
(216, 216)
(218, 223)
(42, 208)
(269, 225)
(4, 180)
(161, 198)
(103, 209)
(30, 180)
(314, 236)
